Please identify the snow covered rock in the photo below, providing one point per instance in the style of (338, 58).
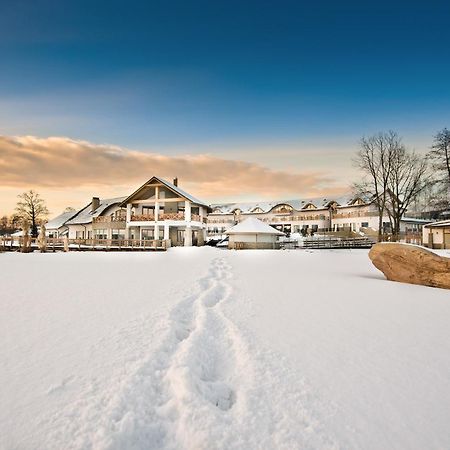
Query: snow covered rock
(411, 264)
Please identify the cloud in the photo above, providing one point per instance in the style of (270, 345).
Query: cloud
(61, 163)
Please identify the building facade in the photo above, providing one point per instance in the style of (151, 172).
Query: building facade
(158, 210)
(295, 216)
(437, 235)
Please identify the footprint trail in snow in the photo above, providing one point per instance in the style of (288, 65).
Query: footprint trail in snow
(203, 388)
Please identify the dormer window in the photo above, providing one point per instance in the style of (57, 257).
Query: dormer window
(283, 209)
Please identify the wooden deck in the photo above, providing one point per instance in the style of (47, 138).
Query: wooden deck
(57, 244)
(337, 242)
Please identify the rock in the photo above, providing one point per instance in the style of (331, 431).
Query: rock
(411, 264)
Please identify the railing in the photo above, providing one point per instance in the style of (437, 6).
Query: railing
(171, 216)
(337, 242)
(355, 214)
(214, 221)
(17, 243)
(296, 218)
(179, 216)
(142, 218)
(108, 219)
(198, 218)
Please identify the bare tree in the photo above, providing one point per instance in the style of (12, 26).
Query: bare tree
(4, 224)
(374, 159)
(408, 178)
(440, 159)
(31, 207)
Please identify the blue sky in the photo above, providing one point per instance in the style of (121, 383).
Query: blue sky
(282, 83)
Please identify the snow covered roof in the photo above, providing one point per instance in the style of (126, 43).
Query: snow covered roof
(442, 223)
(298, 204)
(414, 220)
(85, 215)
(252, 225)
(182, 193)
(170, 186)
(60, 220)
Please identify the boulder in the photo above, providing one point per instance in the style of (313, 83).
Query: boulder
(411, 264)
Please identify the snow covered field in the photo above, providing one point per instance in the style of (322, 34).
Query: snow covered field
(200, 348)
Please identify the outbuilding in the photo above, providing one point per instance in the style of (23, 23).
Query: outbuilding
(252, 233)
(437, 235)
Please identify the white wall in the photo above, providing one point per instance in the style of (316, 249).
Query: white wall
(253, 238)
(74, 228)
(438, 235)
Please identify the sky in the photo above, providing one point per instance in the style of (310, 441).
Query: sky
(238, 99)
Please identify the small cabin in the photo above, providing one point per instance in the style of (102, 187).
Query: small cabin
(437, 235)
(252, 233)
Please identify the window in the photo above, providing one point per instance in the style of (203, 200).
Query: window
(148, 210)
(120, 214)
(79, 234)
(117, 234)
(148, 234)
(365, 224)
(283, 209)
(100, 234)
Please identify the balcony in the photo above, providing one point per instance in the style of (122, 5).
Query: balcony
(171, 216)
(108, 219)
(352, 215)
(197, 218)
(178, 216)
(143, 218)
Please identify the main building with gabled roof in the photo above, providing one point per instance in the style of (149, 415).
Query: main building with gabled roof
(157, 210)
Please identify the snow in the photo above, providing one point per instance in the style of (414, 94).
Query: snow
(85, 215)
(442, 223)
(253, 225)
(200, 348)
(60, 220)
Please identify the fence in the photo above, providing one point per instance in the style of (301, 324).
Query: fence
(53, 244)
(337, 242)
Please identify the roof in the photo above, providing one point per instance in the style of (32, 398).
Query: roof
(414, 220)
(182, 193)
(298, 204)
(170, 186)
(442, 223)
(60, 220)
(85, 215)
(252, 225)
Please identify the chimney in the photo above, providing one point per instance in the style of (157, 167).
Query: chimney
(95, 203)
(175, 181)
